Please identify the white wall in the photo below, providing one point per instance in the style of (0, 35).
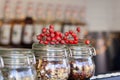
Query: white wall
(102, 15)
(99, 15)
(116, 15)
(35, 2)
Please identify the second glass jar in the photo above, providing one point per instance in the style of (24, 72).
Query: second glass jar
(81, 64)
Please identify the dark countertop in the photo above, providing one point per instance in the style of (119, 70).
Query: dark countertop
(110, 76)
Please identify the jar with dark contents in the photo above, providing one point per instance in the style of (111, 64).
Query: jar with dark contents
(52, 62)
(81, 64)
(19, 64)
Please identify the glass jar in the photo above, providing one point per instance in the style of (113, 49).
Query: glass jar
(52, 62)
(81, 64)
(1, 66)
(18, 64)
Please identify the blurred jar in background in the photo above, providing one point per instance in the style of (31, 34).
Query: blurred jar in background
(17, 33)
(16, 37)
(7, 23)
(27, 36)
(5, 32)
(28, 32)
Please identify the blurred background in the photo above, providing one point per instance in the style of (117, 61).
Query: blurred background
(22, 20)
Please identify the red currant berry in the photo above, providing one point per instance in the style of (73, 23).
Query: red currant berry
(73, 34)
(42, 35)
(61, 35)
(87, 42)
(65, 38)
(48, 35)
(66, 41)
(52, 43)
(48, 39)
(66, 33)
(58, 38)
(53, 39)
(70, 31)
(78, 29)
(51, 26)
(46, 42)
(75, 42)
(51, 30)
(57, 42)
(41, 42)
(52, 35)
(38, 37)
(62, 42)
(44, 30)
(75, 38)
(57, 33)
(71, 42)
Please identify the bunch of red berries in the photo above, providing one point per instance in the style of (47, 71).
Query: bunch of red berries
(50, 36)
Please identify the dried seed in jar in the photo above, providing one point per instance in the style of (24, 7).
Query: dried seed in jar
(39, 63)
(86, 69)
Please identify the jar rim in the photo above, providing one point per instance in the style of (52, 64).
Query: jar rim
(37, 46)
(83, 50)
(15, 49)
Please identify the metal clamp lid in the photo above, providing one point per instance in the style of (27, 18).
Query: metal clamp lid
(93, 51)
(32, 59)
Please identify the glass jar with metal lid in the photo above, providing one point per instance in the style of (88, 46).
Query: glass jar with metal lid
(52, 62)
(81, 64)
(1, 66)
(18, 64)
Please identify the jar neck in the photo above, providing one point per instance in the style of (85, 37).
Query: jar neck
(82, 59)
(37, 46)
(54, 59)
